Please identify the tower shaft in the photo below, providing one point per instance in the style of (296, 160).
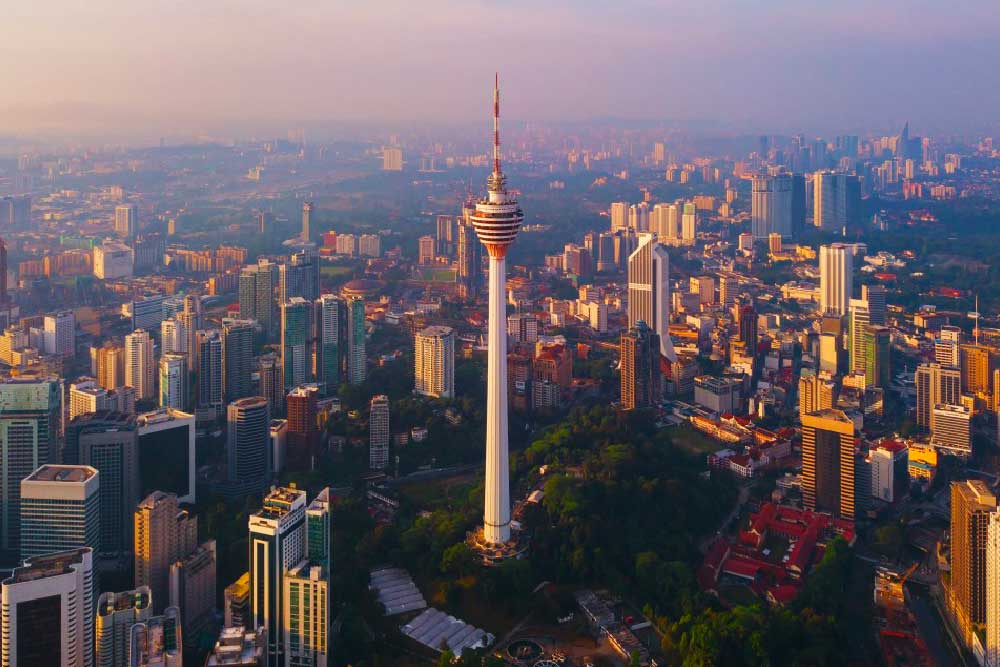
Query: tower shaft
(496, 519)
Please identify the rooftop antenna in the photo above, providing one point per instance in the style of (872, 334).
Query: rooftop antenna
(496, 124)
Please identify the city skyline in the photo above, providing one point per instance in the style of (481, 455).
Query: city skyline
(815, 67)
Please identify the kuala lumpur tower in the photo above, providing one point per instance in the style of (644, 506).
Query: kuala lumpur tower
(497, 220)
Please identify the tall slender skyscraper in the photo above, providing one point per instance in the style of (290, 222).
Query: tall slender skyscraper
(60, 510)
(209, 355)
(972, 503)
(295, 342)
(378, 433)
(139, 367)
(248, 455)
(771, 205)
(307, 209)
(328, 317)
(434, 362)
(836, 278)
(497, 220)
(649, 291)
(237, 358)
(356, 341)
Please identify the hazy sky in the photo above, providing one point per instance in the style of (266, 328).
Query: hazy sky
(170, 66)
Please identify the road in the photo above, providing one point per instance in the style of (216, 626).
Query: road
(931, 627)
(744, 496)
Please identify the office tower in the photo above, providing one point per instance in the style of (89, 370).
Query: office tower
(425, 247)
(139, 365)
(318, 529)
(328, 316)
(369, 245)
(877, 357)
(262, 223)
(619, 215)
(236, 603)
(816, 393)
(279, 443)
(307, 621)
(302, 436)
(116, 614)
(689, 224)
(972, 504)
(378, 432)
(836, 278)
(392, 159)
(126, 220)
(638, 217)
(277, 543)
(468, 257)
(836, 200)
(290, 281)
(257, 283)
(156, 642)
(746, 322)
(704, 287)
(605, 253)
(113, 260)
(649, 291)
(110, 362)
(307, 262)
(30, 418)
(947, 348)
(445, 235)
(307, 209)
(48, 611)
(356, 358)
(728, 288)
(4, 295)
(86, 397)
(771, 205)
(859, 319)
(640, 367)
(952, 429)
(60, 510)
(295, 361)
(270, 384)
(192, 591)
(209, 356)
(173, 381)
(60, 334)
(434, 362)
(248, 444)
(166, 453)
(975, 369)
(237, 358)
(108, 442)
(935, 384)
(164, 533)
(798, 203)
(828, 446)
(497, 220)
(875, 296)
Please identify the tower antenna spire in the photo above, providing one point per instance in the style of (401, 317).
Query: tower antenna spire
(496, 124)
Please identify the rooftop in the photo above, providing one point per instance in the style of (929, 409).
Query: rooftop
(49, 565)
(61, 473)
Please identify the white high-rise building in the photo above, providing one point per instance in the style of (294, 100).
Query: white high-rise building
(126, 220)
(60, 334)
(48, 611)
(173, 337)
(378, 433)
(771, 205)
(689, 224)
(139, 364)
(60, 510)
(638, 217)
(173, 381)
(619, 215)
(434, 362)
(649, 290)
(497, 219)
(836, 278)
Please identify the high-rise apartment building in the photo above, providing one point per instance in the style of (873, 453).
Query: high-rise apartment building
(836, 278)
(30, 424)
(116, 614)
(875, 296)
(295, 361)
(173, 381)
(619, 215)
(771, 205)
(59, 334)
(237, 358)
(640, 367)
(60, 510)
(48, 611)
(689, 224)
(126, 220)
(976, 376)
(947, 347)
(828, 448)
(356, 371)
(649, 291)
(859, 320)
(392, 159)
(972, 504)
(468, 258)
(876, 342)
(328, 309)
(378, 432)
(109, 360)
(270, 382)
(277, 544)
(318, 529)
(935, 385)
(164, 533)
(257, 283)
(139, 365)
(434, 362)
(248, 440)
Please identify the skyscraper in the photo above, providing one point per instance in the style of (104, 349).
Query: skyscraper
(935, 385)
(116, 614)
(497, 220)
(318, 529)
(307, 621)
(167, 452)
(649, 291)
(164, 533)
(257, 283)
(640, 367)
(303, 433)
(209, 355)
(172, 337)
(110, 361)
(356, 371)
(836, 278)
(60, 510)
(157, 641)
(815, 394)
(248, 445)
(277, 544)
(126, 220)
(828, 446)
(993, 590)
(307, 209)
(378, 432)
(875, 297)
(60, 334)
(139, 364)
(434, 362)
(192, 591)
(689, 224)
(295, 361)
(952, 431)
(860, 318)
(307, 263)
(328, 364)
(173, 381)
(468, 256)
(976, 376)
(947, 347)
(237, 358)
(877, 356)
(972, 504)
(270, 383)
(30, 417)
(836, 200)
(771, 205)
(619, 215)
(48, 611)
